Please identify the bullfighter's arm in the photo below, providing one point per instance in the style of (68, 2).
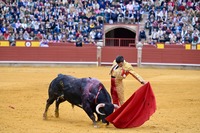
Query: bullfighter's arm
(128, 69)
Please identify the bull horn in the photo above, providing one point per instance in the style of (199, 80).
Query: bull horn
(99, 106)
(116, 106)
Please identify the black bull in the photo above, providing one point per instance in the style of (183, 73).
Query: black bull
(86, 93)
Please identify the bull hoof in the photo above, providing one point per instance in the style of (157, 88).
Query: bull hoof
(44, 116)
(96, 126)
(56, 114)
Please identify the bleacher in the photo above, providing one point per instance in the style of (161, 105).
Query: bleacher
(49, 21)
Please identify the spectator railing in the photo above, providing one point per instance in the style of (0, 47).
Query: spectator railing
(187, 46)
(121, 42)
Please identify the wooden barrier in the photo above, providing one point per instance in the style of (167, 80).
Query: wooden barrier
(174, 46)
(177, 56)
(58, 54)
(88, 54)
(110, 53)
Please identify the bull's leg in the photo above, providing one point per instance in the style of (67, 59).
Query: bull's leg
(90, 113)
(92, 117)
(49, 102)
(98, 117)
(58, 101)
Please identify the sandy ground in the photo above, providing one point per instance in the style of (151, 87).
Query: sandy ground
(23, 95)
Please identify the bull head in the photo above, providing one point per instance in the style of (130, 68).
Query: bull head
(108, 109)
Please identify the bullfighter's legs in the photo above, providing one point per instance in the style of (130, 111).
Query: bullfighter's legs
(59, 100)
(113, 92)
(49, 102)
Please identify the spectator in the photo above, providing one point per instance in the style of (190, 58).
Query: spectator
(79, 40)
(107, 14)
(102, 5)
(11, 39)
(32, 35)
(20, 29)
(188, 38)
(160, 32)
(18, 24)
(28, 29)
(96, 6)
(3, 28)
(39, 35)
(150, 41)
(26, 35)
(194, 20)
(55, 37)
(86, 40)
(44, 43)
(49, 37)
(120, 16)
(36, 26)
(142, 35)
(195, 36)
(166, 37)
(92, 35)
(178, 38)
(98, 35)
(171, 5)
(129, 7)
(154, 36)
(114, 15)
(151, 21)
(136, 6)
(6, 35)
(50, 17)
(137, 16)
(172, 37)
(189, 4)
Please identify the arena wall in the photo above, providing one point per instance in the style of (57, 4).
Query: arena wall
(170, 57)
(48, 55)
(92, 55)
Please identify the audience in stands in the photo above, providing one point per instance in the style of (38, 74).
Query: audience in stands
(174, 21)
(169, 21)
(142, 35)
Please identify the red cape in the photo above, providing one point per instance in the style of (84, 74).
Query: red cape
(136, 110)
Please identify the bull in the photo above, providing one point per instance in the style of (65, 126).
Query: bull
(86, 93)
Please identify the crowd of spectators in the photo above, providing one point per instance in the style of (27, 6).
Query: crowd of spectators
(68, 20)
(174, 22)
(64, 20)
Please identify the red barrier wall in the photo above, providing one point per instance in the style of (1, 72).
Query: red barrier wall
(88, 54)
(110, 53)
(79, 54)
(170, 55)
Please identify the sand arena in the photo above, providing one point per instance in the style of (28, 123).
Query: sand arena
(23, 95)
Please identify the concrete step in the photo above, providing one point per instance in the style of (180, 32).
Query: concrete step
(142, 23)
